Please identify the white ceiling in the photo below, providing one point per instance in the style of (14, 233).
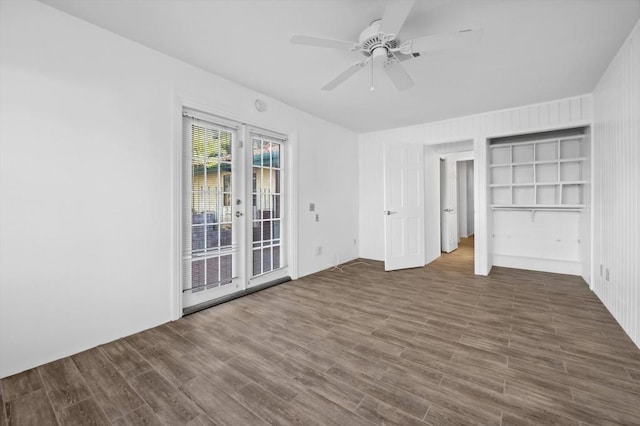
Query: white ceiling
(532, 50)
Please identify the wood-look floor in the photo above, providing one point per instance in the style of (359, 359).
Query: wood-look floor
(434, 345)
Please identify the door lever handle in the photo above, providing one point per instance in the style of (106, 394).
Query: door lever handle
(389, 212)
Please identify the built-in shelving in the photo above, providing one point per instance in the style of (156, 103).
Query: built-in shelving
(546, 173)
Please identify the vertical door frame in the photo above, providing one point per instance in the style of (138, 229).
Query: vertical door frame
(176, 192)
(442, 174)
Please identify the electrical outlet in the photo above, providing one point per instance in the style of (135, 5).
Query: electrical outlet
(317, 250)
(317, 217)
(600, 270)
(355, 242)
(607, 274)
(312, 207)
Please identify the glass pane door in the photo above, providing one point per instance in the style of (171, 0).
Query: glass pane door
(211, 229)
(266, 253)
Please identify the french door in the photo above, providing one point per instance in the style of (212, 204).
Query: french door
(232, 233)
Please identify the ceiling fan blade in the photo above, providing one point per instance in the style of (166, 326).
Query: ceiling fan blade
(322, 42)
(345, 75)
(444, 41)
(395, 13)
(398, 75)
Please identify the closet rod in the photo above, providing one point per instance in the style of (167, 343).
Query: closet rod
(534, 209)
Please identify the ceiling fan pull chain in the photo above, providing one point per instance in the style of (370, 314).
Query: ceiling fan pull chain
(372, 87)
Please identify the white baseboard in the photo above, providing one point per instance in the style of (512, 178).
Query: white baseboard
(569, 267)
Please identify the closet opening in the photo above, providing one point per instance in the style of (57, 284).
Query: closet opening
(540, 201)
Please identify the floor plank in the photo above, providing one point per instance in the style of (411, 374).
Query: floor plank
(21, 384)
(3, 418)
(33, 408)
(220, 407)
(109, 388)
(125, 358)
(170, 404)
(86, 412)
(64, 383)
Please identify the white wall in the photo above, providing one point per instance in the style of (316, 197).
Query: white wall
(547, 241)
(465, 198)
(586, 216)
(88, 125)
(616, 181)
(462, 199)
(470, 199)
(557, 114)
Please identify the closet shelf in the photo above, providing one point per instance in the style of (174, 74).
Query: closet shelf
(539, 173)
(527, 163)
(537, 206)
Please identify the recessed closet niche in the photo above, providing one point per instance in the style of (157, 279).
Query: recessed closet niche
(540, 202)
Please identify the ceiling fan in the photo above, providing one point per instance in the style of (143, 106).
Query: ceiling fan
(380, 43)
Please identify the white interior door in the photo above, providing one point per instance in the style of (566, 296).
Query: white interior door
(404, 206)
(431, 204)
(448, 204)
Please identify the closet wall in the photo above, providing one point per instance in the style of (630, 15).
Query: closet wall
(616, 180)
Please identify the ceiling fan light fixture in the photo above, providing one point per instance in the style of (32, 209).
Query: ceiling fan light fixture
(379, 54)
(379, 43)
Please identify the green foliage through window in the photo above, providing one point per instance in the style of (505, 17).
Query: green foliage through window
(211, 147)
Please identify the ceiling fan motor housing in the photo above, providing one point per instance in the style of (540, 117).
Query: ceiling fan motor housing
(375, 43)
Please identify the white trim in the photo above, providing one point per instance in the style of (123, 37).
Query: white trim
(175, 208)
(291, 201)
(541, 129)
(558, 266)
(270, 134)
(592, 213)
(211, 119)
(482, 249)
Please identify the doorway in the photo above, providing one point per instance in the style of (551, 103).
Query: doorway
(466, 195)
(456, 201)
(451, 188)
(232, 208)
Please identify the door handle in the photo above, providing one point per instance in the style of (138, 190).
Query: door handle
(389, 212)
(238, 213)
